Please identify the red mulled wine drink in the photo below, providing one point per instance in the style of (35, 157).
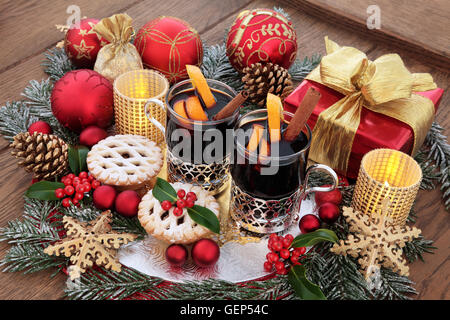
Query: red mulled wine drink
(197, 149)
(269, 173)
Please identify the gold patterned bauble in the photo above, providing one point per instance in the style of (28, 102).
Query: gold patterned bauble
(260, 79)
(45, 155)
(261, 35)
(90, 243)
(376, 241)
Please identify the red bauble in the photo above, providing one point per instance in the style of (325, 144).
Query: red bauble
(82, 98)
(167, 44)
(309, 223)
(127, 203)
(176, 255)
(82, 44)
(329, 212)
(91, 135)
(40, 127)
(261, 35)
(205, 253)
(334, 196)
(104, 197)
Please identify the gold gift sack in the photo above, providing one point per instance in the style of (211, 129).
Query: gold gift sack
(119, 56)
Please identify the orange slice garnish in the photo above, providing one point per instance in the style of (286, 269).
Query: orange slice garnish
(275, 116)
(256, 136)
(264, 151)
(180, 109)
(195, 110)
(200, 84)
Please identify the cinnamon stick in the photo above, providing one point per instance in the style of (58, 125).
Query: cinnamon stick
(302, 114)
(231, 107)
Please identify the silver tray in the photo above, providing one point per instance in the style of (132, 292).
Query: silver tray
(237, 262)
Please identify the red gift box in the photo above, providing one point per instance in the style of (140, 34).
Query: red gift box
(375, 130)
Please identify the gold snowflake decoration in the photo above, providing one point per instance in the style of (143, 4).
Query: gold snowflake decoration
(89, 243)
(376, 241)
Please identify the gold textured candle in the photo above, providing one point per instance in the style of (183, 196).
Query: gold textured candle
(387, 176)
(131, 93)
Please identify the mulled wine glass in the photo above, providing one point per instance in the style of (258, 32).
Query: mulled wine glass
(267, 190)
(198, 152)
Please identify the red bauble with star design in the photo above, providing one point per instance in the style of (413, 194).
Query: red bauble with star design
(82, 44)
(167, 44)
(82, 98)
(261, 35)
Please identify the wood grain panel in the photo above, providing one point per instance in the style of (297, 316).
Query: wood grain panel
(414, 25)
(211, 19)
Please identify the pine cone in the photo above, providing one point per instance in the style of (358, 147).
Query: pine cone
(261, 79)
(43, 154)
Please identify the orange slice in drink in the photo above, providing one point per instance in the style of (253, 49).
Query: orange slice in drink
(180, 109)
(275, 116)
(256, 136)
(264, 151)
(195, 110)
(200, 84)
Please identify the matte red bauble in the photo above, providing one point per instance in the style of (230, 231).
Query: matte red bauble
(176, 255)
(261, 35)
(309, 223)
(104, 197)
(40, 127)
(127, 203)
(82, 98)
(334, 196)
(82, 44)
(92, 135)
(205, 253)
(329, 212)
(167, 44)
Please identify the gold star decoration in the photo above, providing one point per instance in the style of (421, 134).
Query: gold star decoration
(376, 241)
(83, 50)
(89, 243)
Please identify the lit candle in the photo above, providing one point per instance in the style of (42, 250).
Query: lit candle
(387, 183)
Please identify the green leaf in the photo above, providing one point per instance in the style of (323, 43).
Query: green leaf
(163, 190)
(44, 190)
(303, 288)
(205, 217)
(312, 238)
(77, 158)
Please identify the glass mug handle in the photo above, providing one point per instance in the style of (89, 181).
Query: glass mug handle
(321, 168)
(155, 122)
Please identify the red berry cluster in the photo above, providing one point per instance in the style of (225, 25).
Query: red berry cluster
(184, 201)
(281, 255)
(75, 188)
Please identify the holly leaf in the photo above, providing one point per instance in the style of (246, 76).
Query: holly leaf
(304, 288)
(312, 238)
(204, 217)
(77, 158)
(163, 190)
(43, 190)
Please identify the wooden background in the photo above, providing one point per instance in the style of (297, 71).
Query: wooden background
(417, 30)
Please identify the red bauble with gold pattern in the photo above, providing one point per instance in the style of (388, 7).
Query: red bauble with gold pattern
(261, 35)
(167, 44)
(82, 98)
(82, 44)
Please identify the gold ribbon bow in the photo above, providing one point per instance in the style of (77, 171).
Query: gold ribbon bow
(384, 86)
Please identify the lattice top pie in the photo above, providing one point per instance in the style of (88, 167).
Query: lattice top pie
(124, 160)
(164, 225)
